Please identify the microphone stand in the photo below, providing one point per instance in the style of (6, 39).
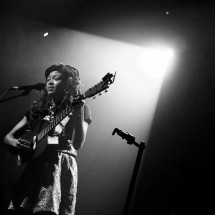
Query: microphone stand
(25, 93)
(131, 140)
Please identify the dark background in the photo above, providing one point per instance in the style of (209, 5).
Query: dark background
(176, 175)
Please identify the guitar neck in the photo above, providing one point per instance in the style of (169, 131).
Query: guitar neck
(91, 92)
(56, 120)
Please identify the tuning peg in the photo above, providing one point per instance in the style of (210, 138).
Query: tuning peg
(94, 97)
(100, 94)
(106, 91)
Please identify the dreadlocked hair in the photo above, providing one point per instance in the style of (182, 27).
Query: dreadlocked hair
(40, 107)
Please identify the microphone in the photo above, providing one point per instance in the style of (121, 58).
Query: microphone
(124, 135)
(39, 86)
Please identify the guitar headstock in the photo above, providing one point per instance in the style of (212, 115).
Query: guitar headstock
(103, 85)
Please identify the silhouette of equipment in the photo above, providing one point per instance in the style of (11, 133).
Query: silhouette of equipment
(131, 140)
(26, 90)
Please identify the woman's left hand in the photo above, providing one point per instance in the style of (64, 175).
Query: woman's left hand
(78, 107)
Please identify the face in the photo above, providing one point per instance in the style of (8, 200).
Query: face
(55, 84)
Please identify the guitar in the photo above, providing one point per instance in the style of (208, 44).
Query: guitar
(18, 161)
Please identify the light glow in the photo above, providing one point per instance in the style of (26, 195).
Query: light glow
(155, 62)
(46, 34)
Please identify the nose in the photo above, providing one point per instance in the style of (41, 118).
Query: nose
(50, 82)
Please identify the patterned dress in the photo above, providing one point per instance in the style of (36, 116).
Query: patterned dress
(49, 183)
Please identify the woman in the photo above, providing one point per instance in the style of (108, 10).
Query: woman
(49, 182)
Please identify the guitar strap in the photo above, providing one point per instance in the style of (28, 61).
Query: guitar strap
(58, 130)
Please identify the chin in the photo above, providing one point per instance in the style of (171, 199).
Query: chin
(51, 93)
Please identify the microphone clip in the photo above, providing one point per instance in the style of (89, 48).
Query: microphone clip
(125, 135)
(130, 138)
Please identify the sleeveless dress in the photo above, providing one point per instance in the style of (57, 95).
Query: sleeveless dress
(49, 183)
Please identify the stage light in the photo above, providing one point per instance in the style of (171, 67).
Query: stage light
(46, 34)
(155, 62)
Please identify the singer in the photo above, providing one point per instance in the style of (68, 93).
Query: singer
(49, 183)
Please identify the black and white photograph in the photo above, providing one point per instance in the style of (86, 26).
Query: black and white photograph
(107, 107)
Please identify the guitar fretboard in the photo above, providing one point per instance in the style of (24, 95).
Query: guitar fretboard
(55, 121)
(96, 89)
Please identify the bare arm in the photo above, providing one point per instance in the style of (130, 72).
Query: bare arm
(10, 139)
(80, 127)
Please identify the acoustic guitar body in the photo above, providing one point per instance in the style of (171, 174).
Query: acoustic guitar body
(15, 162)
